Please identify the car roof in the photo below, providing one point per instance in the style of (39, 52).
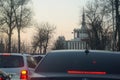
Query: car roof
(22, 54)
(85, 51)
(38, 55)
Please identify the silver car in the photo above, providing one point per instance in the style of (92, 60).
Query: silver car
(18, 66)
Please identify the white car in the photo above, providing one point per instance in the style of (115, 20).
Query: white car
(19, 66)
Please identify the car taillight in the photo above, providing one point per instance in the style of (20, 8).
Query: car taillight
(84, 72)
(1, 78)
(6, 54)
(24, 75)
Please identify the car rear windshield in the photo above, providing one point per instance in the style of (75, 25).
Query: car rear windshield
(11, 61)
(80, 61)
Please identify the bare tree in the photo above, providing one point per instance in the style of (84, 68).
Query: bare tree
(25, 48)
(42, 37)
(112, 7)
(1, 46)
(99, 25)
(117, 8)
(7, 20)
(59, 43)
(22, 18)
(14, 46)
(13, 14)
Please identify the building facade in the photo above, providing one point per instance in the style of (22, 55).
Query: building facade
(80, 40)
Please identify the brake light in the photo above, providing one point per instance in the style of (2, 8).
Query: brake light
(84, 72)
(24, 75)
(6, 54)
(1, 78)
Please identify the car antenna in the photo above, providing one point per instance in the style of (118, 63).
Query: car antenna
(86, 51)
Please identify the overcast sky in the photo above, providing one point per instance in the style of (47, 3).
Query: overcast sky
(65, 14)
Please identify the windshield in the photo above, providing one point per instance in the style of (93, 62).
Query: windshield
(11, 61)
(40, 27)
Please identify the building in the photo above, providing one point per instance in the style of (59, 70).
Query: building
(80, 39)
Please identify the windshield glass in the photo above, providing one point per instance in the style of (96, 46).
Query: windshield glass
(7, 61)
(40, 27)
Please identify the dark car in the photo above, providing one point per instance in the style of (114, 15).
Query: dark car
(78, 65)
(4, 75)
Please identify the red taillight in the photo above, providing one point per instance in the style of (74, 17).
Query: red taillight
(6, 54)
(84, 72)
(1, 78)
(24, 75)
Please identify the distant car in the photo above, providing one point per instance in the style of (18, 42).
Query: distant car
(4, 75)
(19, 66)
(38, 57)
(78, 65)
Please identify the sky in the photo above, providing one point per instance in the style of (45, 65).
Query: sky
(64, 14)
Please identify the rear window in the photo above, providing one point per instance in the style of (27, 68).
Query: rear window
(11, 61)
(79, 61)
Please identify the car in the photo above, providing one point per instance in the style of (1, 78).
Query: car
(38, 58)
(19, 66)
(78, 65)
(4, 75)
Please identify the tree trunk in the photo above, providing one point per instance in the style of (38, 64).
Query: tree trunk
(19, 41)
(117, 23)
(45, 47)
(9, 44)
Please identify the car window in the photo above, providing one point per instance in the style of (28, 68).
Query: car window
(11, 61)
(31, 62)
(66, 61)
(37, 58)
